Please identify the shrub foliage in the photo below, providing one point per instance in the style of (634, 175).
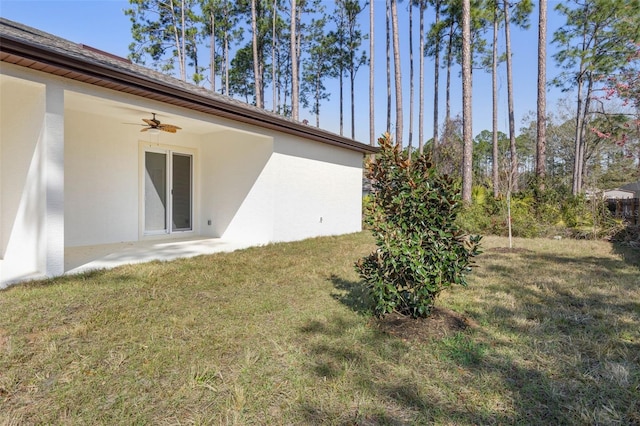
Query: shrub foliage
(554, 212)
(421, 251)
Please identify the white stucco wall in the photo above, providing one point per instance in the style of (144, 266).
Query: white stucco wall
(319, 189)
(102, 183)
(237, 192)
(252, 188)
(71, 172)
(31, 173)
(101, 190)
(22, 189)
(278, 188)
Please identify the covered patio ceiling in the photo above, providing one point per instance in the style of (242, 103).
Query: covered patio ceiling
(132, 112)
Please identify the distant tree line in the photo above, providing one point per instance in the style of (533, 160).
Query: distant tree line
(280, 54)
(292, 47)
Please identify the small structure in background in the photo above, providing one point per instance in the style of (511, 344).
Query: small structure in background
(624, 202)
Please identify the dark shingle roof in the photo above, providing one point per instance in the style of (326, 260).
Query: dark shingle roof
(635, 187)
(29, 47)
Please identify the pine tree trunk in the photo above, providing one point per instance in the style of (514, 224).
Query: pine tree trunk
(449, 59)
(397, 72)
(183, 44)
(317, 105)
(257, 76)
(512, 124)
(467, 136)
(294, 65)
(541, 137)
(436, 89)
(274, 65)
(388, 22)
(583, 132)
(226, 63)
(372, 117)
(509, 215)
(212, 53)
(577, 162)
(178, 44)
(226, 49)
(410, 147)
(421, 97)
(352, 77)
(494, 84)
(576, 188)
(341, 90)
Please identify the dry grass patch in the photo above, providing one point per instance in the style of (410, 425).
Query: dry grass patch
(546, 334)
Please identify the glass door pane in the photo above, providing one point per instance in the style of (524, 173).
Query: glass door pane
(181, 192)
(155, 192)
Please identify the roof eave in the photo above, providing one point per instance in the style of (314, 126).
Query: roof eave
(154, 88)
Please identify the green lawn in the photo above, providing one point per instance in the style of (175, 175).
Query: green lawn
(279, 335)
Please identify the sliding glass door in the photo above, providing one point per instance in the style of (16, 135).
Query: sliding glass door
(181, 192)
(168, 192)
(155, 193)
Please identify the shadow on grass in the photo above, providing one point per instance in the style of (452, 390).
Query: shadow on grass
(627, 253)
(574, 360)
(403, 399)
(626, 243)
(580, 315)
(594, 289)
(93, 276)
(352, 294)
(313, 414)
(400, 388)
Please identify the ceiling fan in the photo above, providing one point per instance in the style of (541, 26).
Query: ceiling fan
(154, 125)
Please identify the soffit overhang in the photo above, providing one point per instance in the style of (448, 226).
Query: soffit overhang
(96, 69)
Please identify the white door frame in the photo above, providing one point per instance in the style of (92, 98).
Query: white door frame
(168, 151)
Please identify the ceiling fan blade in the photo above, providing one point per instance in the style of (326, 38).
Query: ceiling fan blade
(169, 128)
(145, 129)
(150, 122)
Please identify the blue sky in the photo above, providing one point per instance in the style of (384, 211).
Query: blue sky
(103, 25)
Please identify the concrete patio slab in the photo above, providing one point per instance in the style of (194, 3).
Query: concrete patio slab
(106, 256)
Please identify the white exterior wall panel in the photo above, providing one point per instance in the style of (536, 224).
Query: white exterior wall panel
(101, 181)
(53, 248)
(103, 177)
(237, 191)
(71, 175)
(319, 190)
(31, 174)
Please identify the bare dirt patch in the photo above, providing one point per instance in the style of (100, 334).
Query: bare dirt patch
(442, 322)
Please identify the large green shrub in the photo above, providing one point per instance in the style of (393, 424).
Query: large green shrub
(420, 249)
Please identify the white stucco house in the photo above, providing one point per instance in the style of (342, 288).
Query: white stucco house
(76, 171)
